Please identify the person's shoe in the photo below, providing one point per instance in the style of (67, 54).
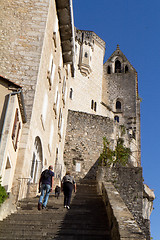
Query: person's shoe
(43, 207)
(68, 207)
(39, 206)
(65, 206)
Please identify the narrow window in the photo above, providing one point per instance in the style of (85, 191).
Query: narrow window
(16, 130)
(64, 86)
(51, 71)
(126, 69)
(109, 70)
(44, 109)
(116, 118)
(117, 66)
(71, 93)
(86, 54)
(60, 119)
(92, 104)
(51, 136)
(118, 105)
(33, 166)
(95, 106)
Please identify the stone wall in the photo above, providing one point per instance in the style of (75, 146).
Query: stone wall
(129, 183)
(84, 142)
(22, 31)
(121, 222)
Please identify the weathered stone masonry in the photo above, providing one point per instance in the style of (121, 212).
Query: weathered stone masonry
(129, 183)
(84, 141)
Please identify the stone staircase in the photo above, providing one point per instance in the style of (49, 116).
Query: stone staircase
(85, 220)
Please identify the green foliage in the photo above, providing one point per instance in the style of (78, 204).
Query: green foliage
(3, 194)
(107, 155)
(122, 153)
(110, 157)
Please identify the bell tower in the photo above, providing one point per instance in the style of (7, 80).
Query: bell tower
(120, 94)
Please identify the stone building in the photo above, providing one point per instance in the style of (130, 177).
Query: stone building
(104, 100)
(58, 101)
(37, 53)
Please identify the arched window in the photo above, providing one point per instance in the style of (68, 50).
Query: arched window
(117, 66)
(37, 159)
(118, 106)
(95, 106)
(116, 118)
(126, 69)
(109, 70)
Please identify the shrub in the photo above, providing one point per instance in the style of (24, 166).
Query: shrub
(110, 157)
(107, 155)
(3, 193)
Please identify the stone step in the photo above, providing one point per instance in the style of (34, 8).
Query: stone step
(59, 237)
(85, 220)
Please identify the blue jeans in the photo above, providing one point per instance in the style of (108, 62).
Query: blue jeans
(45, 190)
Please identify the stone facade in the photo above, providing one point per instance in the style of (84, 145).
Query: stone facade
(120, 94)
(129, 183)
(84, 142)
(34, 56)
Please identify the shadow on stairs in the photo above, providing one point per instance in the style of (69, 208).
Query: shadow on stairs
(85, 220)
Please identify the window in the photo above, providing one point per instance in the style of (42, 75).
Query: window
(76, 49)
(86, 54)
(44, 110)
(109, 70)
(95, 106)
(36, 164)
(16, 129)
(64, 91)
(117, 66)
(116, 118)
(56, 104)
(92, 104)
(71, 93)
(60, 119)
(118, 106)
(64, 86)
(126, 69)
(60, 125)
(33, 165)
(55, 30)
(51, 137)
(51, 71)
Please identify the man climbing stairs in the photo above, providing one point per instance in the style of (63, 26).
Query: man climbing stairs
(85, 220)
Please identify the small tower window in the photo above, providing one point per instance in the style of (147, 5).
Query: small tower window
(126, 69)
(86, 55)
(117, 66)
(118, 106)
(109, 70)
(116, 118)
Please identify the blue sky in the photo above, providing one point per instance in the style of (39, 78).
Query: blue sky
(135, 26)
